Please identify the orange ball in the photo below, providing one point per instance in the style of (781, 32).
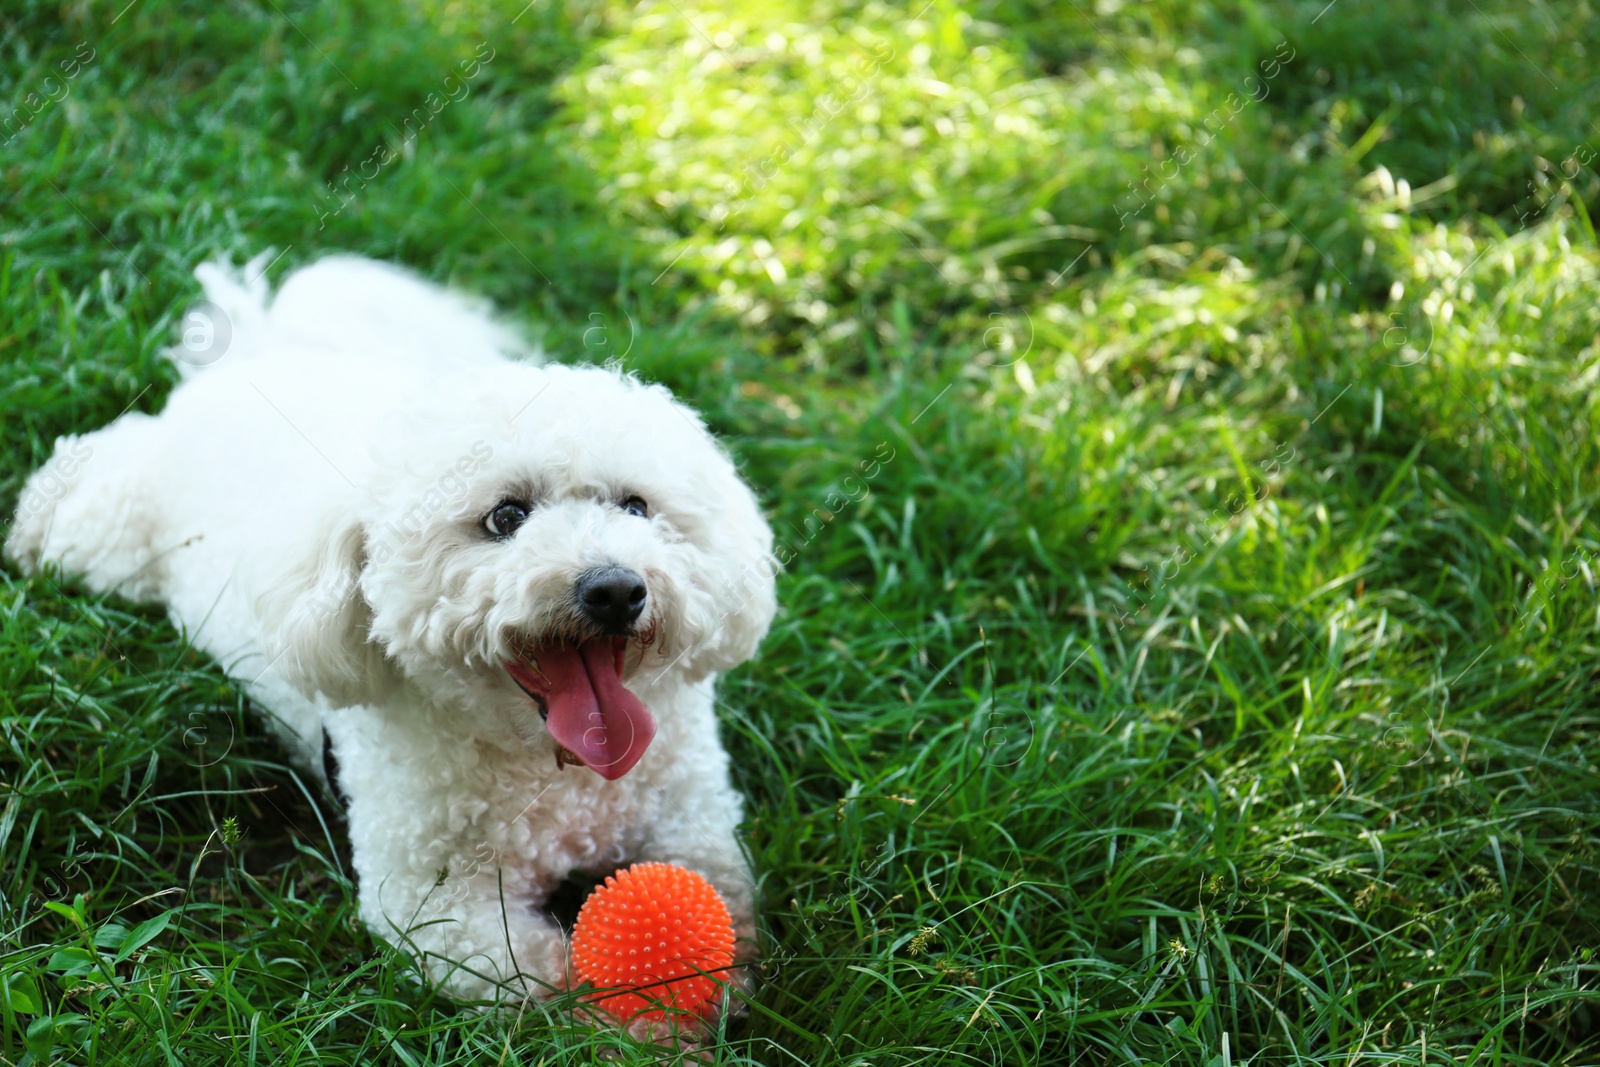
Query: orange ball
(648, 940)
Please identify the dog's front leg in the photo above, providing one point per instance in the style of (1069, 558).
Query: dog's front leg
(698, 828)
(475, 930)
(710, 846)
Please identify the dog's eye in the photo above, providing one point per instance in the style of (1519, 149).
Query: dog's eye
(635, 505)
(503, 521)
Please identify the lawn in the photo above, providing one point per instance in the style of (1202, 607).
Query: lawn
(1179, 423)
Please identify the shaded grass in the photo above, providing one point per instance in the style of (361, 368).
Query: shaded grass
(1187, 657)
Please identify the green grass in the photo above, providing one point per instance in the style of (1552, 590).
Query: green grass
(1208, 674)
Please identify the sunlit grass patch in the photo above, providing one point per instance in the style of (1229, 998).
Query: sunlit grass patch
(769, 150)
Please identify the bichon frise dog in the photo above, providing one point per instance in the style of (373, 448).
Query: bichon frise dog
(500, 591)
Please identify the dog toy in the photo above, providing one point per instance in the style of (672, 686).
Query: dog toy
(655, 940)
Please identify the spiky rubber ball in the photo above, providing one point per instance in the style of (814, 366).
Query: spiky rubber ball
(649, 941)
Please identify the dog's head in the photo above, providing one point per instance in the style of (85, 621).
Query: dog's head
(545, 546)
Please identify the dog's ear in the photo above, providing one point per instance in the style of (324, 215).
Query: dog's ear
(747, 600)
(315, 622)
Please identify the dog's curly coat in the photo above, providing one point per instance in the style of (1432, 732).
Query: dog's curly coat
(318, 510)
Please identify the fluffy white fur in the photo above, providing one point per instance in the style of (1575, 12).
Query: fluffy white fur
(309, 508)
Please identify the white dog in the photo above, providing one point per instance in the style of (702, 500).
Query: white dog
(502, 591)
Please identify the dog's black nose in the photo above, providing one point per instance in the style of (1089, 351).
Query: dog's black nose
(611, 596)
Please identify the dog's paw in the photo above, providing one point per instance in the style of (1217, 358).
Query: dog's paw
(687, 1039)
(741, 989)
(681, 1042)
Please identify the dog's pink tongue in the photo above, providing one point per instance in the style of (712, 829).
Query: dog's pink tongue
(590, 713)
